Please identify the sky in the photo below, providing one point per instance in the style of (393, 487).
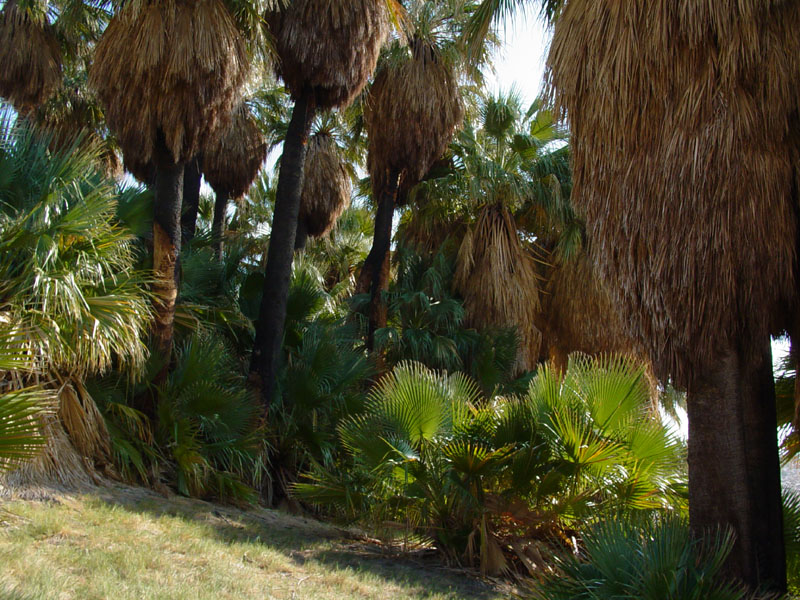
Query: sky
(520, 61)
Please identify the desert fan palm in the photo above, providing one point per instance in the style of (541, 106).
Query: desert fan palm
(168, 74)
(327, 51)
(496, 275)
(30, 57)
(231, 164)
(413, 109)
(685, 168)
(70, 294)
(326, 188)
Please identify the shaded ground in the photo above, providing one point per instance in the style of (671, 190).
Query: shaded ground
(123, 542)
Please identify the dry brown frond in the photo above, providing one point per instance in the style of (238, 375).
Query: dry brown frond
(578, 315)
(685, 144)
(232, 161)
(173, 67)
(497, 278)
(329, 47)
(411, 114)
(30, 59)
(326, 185)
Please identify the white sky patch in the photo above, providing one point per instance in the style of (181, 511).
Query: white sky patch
(520, 61)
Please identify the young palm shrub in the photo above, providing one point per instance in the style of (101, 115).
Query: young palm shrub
(485, 478)
(70, 286)
(643, 560)
(321, 379)
(208, 424)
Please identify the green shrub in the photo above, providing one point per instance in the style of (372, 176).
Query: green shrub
(642, 559)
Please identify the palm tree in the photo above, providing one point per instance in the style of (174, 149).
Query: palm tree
(327, 52)
(504, 195)
(413, 109)
(230, 165)
(70, 296)
(684, 158)
(326, 188)
(30, 56)
(168, 74)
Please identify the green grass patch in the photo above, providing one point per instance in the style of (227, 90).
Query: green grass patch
(130, 543)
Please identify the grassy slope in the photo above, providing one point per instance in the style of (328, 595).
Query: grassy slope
(126, 542)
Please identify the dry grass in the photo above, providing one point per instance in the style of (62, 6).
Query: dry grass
(232, 160)
(497, 277)
(413, 109)
(127, 543)
(330, 48)
(685, 146)
(173, 66)
(30, 58)
(326, 185)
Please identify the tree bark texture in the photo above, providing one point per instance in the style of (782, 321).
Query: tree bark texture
(166, 251)
(272, 314)
(218, 225)
(191, 199)
(734, 471)
(375, 273)
(301, 236)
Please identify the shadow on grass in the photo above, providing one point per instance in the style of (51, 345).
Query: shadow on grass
(305, 541)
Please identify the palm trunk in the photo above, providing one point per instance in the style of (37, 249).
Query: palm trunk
(218, 225)
(191, 199)
(734, 472)
(375, 273)
(166, 251)
(301, 236)
(272, 314)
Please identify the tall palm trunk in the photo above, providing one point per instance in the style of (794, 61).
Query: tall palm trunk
(375, 274)
(218, 225)
(166, 250)
(191, 199)
(734, 472)
(272, 314)
(301, 236)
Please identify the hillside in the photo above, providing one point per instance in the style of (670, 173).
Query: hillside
(129, 543)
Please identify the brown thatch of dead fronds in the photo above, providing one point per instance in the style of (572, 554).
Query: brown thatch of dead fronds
(326, 185)
(685, 144)
(232, 161)
(30, 58)
(578, 314)
(72, 117)
(171, 68)
(330, 48)
(496, 275)
(413, 109)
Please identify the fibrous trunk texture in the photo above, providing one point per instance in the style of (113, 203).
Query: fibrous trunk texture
(234, 156)
(218, 225)
(734, 472)
(330, 47)
(685, 145)
(172, 68)
(166, 251)
(191, 199)
(326, 188)
(497, 278)
(272, 314)
(30, 58)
